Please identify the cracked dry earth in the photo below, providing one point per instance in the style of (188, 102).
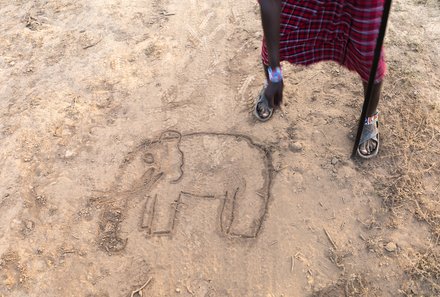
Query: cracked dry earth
(129, 157)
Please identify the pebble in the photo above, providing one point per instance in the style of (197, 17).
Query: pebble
(69, 154)
(177, 290)
(295, 147)
(29, 224)
(335, 161)
(391, 247)
(317, 135)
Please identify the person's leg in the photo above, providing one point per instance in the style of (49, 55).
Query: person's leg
(264, 108)
(369, 146)
(269, 97)
(377, 87)
(277, 97)
(266, 72)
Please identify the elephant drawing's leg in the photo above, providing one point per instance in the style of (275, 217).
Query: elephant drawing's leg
(227, 207)
(249, 207)
(164, 210)
(148, 213)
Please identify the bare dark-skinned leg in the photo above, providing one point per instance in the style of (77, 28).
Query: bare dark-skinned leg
(266, 71)
(276, 101)
(377, 87)
(369, 146)
(262, 109)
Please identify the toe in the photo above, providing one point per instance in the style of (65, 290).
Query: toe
(263, 112)
(363, 149)
(371, 146)
(374, 144)
(368, 147)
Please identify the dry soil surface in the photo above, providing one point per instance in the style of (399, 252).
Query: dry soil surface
(131, 165)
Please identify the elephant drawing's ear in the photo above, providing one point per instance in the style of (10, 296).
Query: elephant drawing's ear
(170, 136)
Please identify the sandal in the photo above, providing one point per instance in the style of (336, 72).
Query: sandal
(263, 111)
(370, 132)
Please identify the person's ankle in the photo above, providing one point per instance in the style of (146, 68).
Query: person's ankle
(372, 118)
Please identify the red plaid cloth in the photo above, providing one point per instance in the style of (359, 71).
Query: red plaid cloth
(344, 31)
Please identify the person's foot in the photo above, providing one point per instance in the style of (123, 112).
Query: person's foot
(263, 111)
(369, 143)
(368, 147)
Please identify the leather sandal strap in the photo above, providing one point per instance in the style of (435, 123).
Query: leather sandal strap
(371, 128)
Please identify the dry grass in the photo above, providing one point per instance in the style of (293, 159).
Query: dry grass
(412, 153)
(349, 286)
(410, 156)
(425, 268)
(411, 134)
(337, 257)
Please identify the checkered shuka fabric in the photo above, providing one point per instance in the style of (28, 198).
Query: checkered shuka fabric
(344, 31)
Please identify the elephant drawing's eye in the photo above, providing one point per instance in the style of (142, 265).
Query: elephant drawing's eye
(148, 158)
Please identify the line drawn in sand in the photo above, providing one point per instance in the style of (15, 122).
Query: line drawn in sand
(225, 167)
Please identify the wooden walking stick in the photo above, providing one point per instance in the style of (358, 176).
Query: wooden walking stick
(369, 93)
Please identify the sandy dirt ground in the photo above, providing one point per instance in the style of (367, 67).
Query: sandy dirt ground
(131, 165)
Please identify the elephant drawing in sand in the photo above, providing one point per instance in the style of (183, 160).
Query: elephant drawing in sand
(228, 167)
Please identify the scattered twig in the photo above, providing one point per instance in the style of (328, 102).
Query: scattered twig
(164, 13)
(139, 291)
(189, 290)
(292, 263)
(92, 44)
(261, 194)
(330, 239)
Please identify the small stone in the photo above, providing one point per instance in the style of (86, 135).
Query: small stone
(69, 154)
(295, 147)
(12, 63)
(317, 135)
(30, 224)
(335, 161)
(391, 247)
(177, 290)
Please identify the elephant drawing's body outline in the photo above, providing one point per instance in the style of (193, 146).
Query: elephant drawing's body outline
(152, 177)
